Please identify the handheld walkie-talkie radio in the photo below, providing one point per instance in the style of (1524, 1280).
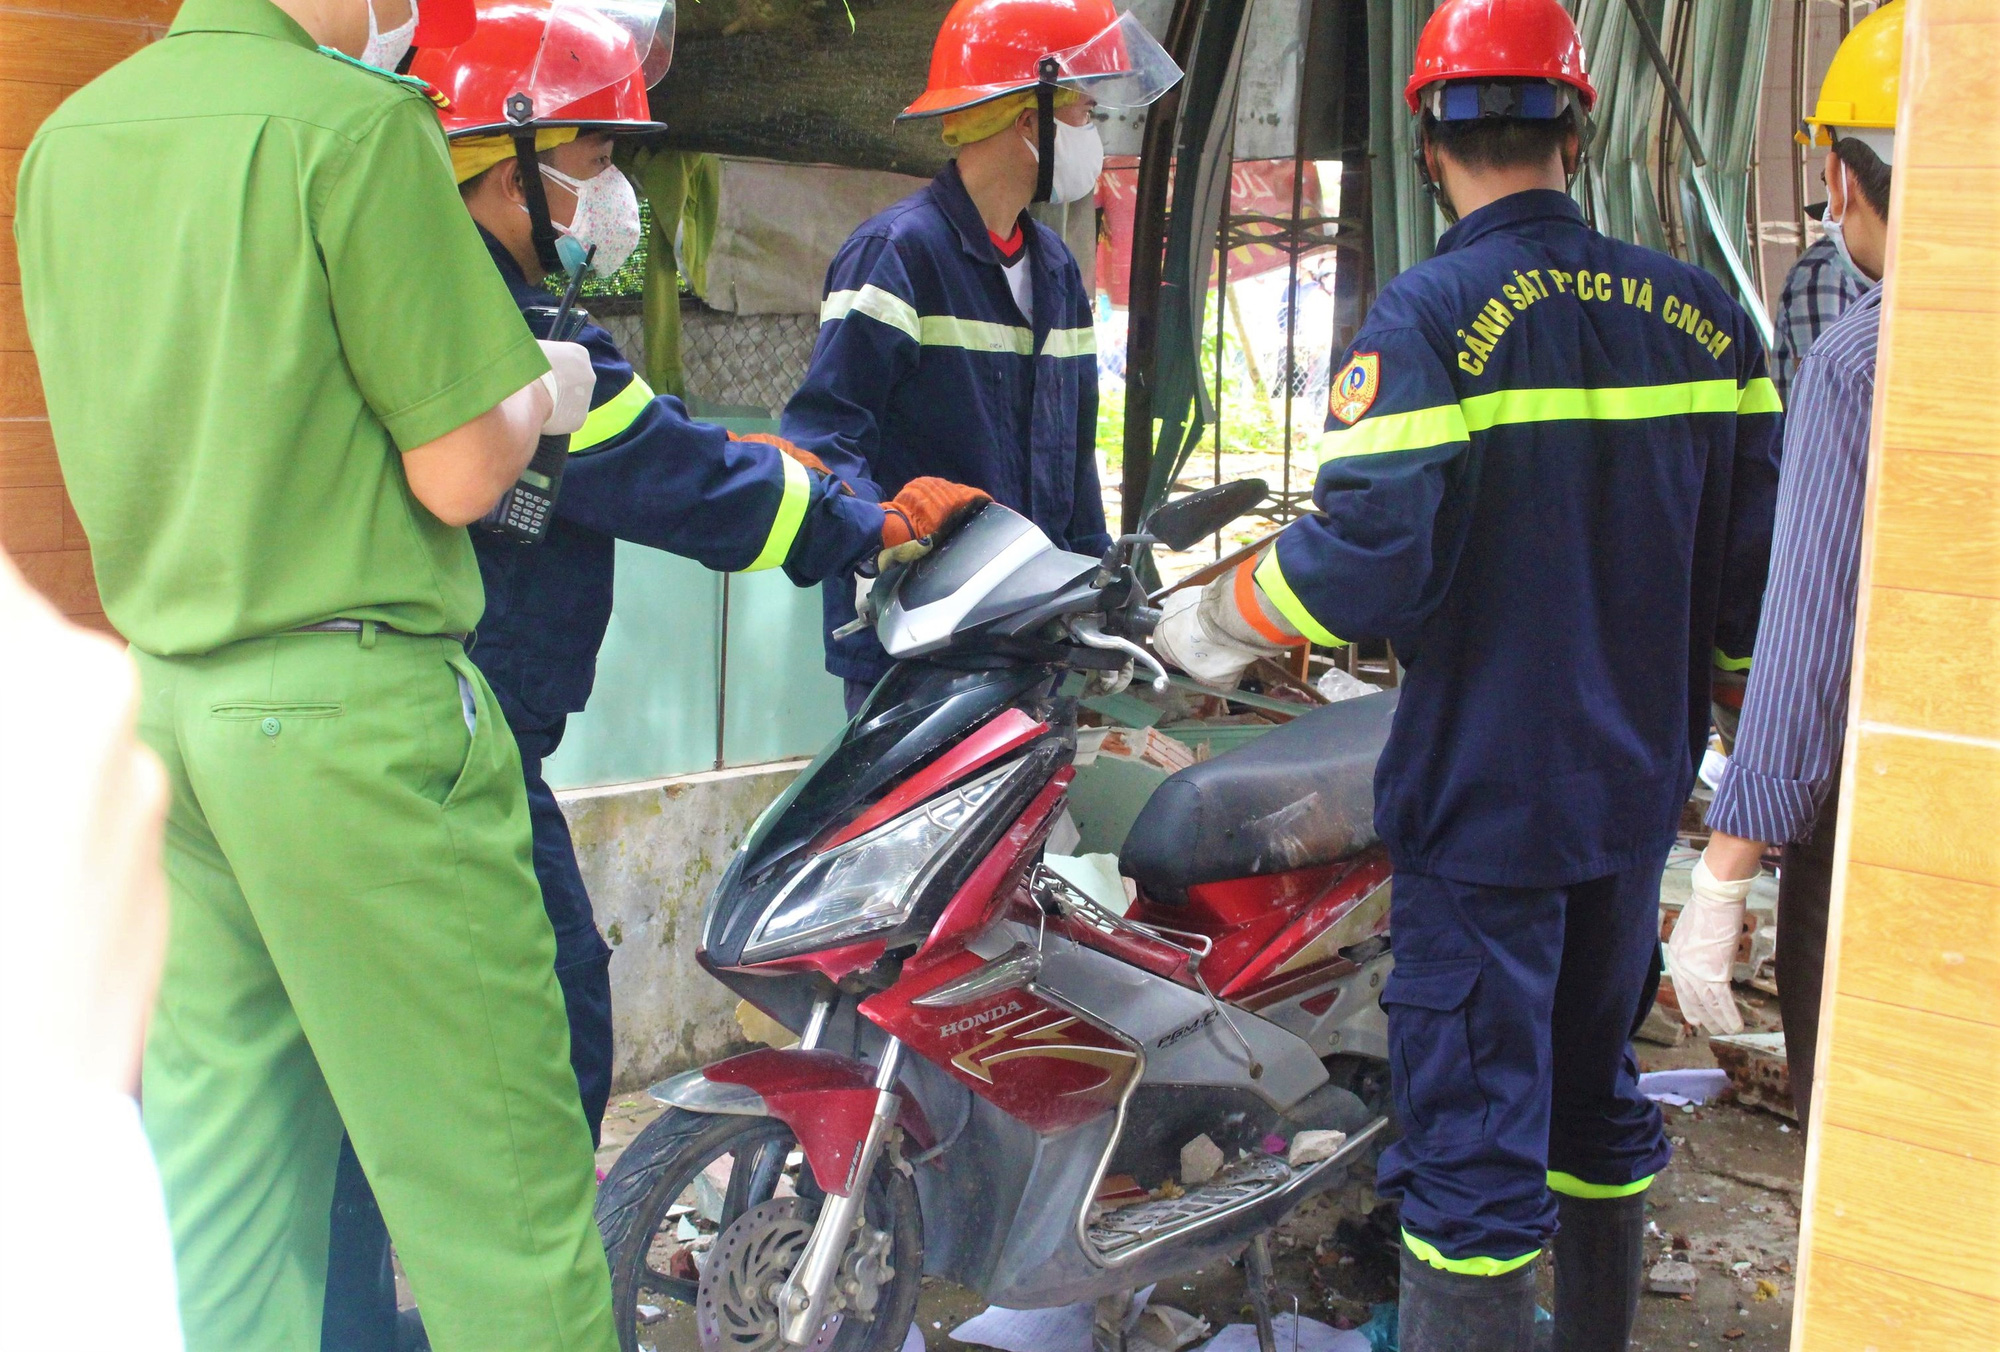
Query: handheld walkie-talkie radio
(524, 511)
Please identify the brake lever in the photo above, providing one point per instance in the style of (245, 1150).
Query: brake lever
(1091, 636)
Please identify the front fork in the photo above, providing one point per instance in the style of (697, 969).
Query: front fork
(802, 1300)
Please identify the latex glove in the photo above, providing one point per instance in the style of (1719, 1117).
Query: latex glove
(1701, 953)
(916, 515)
(1186, 638)
(571, 381)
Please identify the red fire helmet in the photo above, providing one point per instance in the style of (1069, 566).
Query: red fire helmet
(444, 23)
(599, 81)
(989, 48)
(1500, 39)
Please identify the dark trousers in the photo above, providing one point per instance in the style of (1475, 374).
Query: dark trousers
(855, 693)
(1805, 887)
(1511, 1012)
(360, 1311)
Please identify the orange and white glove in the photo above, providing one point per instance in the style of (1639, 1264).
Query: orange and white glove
(1214, 634)
(1701, 952)
(798, 453)
(914, 516)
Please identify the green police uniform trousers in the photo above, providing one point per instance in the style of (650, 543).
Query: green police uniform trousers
(357, 938)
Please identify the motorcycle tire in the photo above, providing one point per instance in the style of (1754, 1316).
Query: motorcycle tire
(660, 1167)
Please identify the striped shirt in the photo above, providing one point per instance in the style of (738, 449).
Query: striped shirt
(1817, 289)
(1795, 711)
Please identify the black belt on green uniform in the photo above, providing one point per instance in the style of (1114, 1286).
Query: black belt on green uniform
(357, 626)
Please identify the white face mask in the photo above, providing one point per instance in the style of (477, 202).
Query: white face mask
(1833, 227)
(1079, 161)
(607, 216)
(385, 51)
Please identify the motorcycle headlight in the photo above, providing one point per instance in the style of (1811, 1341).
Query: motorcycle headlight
(872, 882)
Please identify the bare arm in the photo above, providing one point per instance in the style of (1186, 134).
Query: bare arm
(461, 474)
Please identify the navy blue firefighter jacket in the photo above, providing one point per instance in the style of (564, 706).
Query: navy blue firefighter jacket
(1548, 477)
(641, 470)
(924, 365)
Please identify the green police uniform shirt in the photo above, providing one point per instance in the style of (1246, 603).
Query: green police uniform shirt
(250, 284)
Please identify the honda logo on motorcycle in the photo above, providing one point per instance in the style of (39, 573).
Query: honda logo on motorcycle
(981, 1019)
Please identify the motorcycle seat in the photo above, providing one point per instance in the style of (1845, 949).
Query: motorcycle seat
(1299, 796)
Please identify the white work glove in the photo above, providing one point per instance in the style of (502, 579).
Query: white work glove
(1185, 638)
(1701, 954)
(571, 381)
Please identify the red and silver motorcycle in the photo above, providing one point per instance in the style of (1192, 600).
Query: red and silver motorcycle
(996, 1072)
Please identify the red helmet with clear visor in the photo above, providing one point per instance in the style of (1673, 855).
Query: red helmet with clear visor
(553, 63)
(987, 49)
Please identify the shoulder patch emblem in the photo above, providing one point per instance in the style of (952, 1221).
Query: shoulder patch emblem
(1353, 390)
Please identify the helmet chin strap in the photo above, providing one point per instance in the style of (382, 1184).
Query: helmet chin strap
(521, 112)
(1045, 129)
(1433, 186)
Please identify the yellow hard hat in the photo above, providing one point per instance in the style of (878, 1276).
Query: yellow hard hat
(1861, 84)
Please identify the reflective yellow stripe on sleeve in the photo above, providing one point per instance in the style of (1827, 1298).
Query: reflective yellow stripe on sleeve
(790, 516)
(1724, 662)
(1760, 396)
(612, 416)
(1569, 1185)
(1441, 425)
(1471, 1267)
(885, 306)
(1271, 581)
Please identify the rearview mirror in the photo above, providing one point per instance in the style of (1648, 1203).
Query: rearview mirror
(1184, 522)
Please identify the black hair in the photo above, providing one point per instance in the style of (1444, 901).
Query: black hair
(1870, 173)
(1502, 142)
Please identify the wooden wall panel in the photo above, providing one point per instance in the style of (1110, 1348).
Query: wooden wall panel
(48, 49)
(1869, 1310)
(1935, 661)
(1921, 942)
(1913, 490)
(1900, 1244)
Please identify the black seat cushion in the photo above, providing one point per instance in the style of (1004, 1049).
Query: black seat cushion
(1300, 795)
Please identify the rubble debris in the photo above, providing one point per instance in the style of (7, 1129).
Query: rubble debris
(1663, 1024)
(1672, 1277)
(1310, 1147)
(1758, 1070)
(1200, 1159)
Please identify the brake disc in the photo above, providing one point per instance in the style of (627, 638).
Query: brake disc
(736, 1305)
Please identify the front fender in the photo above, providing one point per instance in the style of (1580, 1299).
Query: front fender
(825, 1098)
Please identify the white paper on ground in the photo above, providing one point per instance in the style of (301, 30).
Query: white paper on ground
(1313, 1337)
(1064, 1328)
(913, 1341)
(1677, 1087)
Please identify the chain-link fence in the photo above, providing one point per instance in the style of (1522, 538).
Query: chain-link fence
(738, 362)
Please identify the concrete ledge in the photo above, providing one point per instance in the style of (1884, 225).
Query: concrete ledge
(651, 853)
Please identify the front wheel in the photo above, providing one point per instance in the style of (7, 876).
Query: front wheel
(703, 1218)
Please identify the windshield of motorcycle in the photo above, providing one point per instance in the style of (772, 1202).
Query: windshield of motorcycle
(588, 45)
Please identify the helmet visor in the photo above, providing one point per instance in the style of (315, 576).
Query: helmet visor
(1122, 67)
(590, 45)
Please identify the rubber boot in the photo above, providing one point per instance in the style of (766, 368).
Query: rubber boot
(1600, 1261)
(1452, 1312)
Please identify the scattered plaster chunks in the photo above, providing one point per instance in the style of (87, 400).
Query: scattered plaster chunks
(1200, 1159)
(1310, 1147)
(1672, 1278)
